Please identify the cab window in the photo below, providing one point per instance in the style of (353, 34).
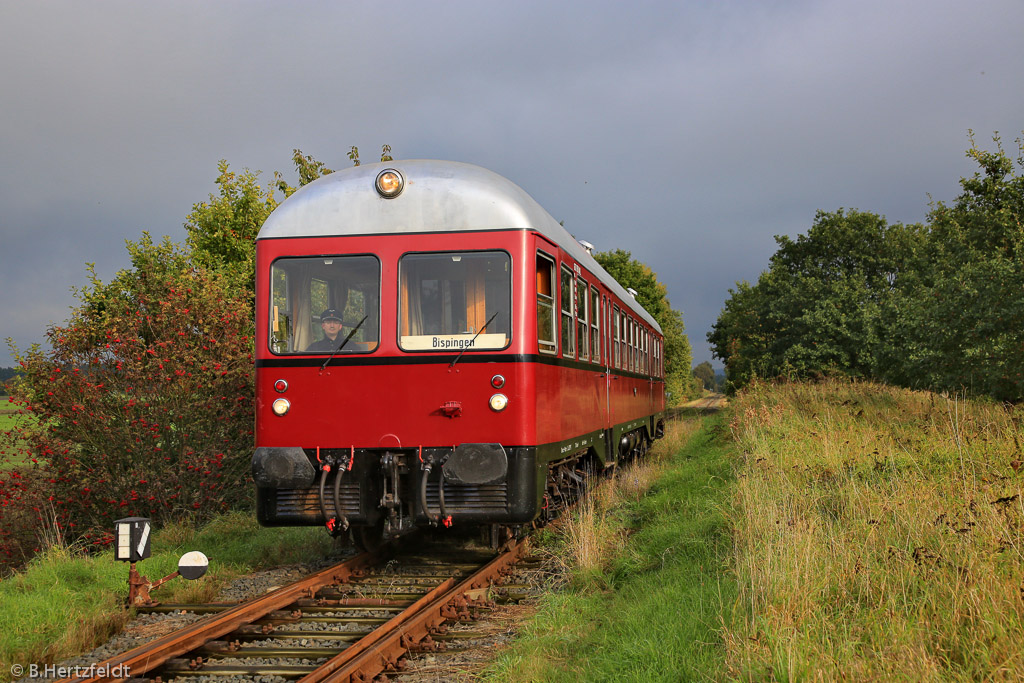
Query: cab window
(318, 303)
(455, 301)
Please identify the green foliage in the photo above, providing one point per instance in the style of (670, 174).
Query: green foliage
(652, 295)
(385, 154)
(705, 374)
(819, 306)
(961, 318)
(938, 306)
(308, 168)
(7, 374)
(143, 405)
(221, 232)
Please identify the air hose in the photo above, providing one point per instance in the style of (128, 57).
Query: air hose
(341, 523)
(423, 493)
(324, 470)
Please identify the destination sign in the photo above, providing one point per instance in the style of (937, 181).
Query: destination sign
(452, 342)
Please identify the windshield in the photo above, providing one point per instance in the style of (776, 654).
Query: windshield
(315, 303)
(447, 300)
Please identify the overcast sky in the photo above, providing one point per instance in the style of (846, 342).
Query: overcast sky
(688, 133)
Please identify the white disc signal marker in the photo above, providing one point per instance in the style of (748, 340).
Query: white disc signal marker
(192, 565)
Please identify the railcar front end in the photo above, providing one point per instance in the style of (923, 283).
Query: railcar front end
(410, 369)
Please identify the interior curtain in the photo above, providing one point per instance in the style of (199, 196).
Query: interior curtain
(412, 313)
(299, 284)
(476, 299)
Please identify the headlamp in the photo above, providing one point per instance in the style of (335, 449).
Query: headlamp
(389, 183)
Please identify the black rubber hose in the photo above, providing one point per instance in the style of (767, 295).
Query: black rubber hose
(423, 495)
(440, 496)
(341, 522)
(323, 481)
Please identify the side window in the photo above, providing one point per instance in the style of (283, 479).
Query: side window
(643, 349)
(632, 345)
(595, 329)
(636, 346)
(607, 336)
(582, 319)
(625, 341)
(647, 352)
(628, 342)
(547, 339)
(617, 335)
(568, 326)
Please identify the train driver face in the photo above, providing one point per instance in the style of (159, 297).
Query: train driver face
(331, 328)
(330, 323)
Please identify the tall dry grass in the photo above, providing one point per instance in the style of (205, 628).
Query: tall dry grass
(591, 533)
(879, 535)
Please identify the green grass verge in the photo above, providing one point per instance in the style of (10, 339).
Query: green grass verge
(656, 613)
(879, 535)
(64, 603)
(9, 419)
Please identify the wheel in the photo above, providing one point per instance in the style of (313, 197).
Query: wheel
(369, 538)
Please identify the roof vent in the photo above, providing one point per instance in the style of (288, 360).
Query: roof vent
(632, 292)
(586, 245)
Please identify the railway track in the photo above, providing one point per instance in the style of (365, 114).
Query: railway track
(700, 406)
(350, 622)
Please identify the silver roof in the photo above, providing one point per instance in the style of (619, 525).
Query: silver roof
(439, 196)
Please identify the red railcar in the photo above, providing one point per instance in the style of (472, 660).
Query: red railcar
(434, 348)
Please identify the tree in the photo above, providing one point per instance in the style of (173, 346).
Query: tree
(143, 406)
(652, 295)
(819, 307)
(221, 232)
(961, 321)
(6, 374)
(939, 306)
(705, 374)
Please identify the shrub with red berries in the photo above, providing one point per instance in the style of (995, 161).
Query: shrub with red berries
(142, 406)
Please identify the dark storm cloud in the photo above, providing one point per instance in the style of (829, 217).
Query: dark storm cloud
(688, 134)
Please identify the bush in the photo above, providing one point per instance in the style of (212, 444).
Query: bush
(143, 406)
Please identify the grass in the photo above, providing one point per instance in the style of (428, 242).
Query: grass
(646, 555)
(831, 531)
(9, 419)
(65, 603)
(879, 536)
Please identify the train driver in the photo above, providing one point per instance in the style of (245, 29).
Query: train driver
(330, 323)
